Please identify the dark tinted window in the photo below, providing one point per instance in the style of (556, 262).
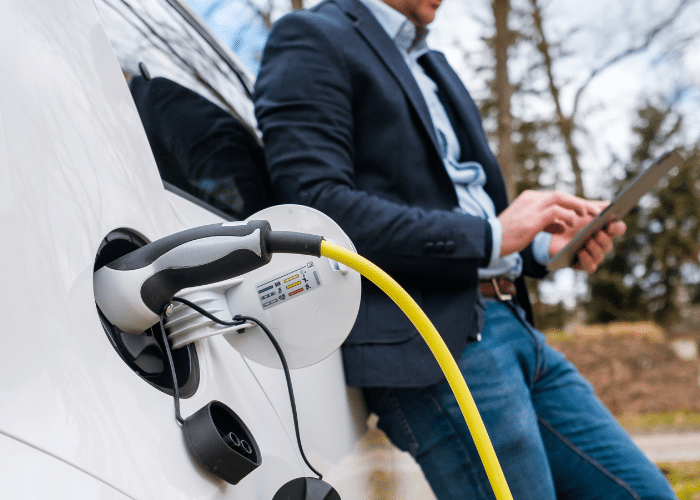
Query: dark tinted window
(196, 108)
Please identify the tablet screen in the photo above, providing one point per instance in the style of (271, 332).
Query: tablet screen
(618, 208)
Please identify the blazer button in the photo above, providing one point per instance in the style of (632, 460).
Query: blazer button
(428, 247)
(450, 246)
(439, 246)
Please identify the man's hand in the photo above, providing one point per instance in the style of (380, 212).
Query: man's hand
(561, 214)
(593, 253)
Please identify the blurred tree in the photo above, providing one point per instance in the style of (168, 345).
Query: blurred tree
(673, 239)
(658, 257)
(565, 124)
(521, 144)
(553, 52)
(503, 90)
(538, 139)
(521, 139)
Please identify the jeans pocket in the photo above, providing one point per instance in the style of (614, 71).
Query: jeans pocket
(409, 440)
(387, 405)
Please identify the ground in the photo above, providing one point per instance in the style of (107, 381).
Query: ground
(633, 369)
(644, 382)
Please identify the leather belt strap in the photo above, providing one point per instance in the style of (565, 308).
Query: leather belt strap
(498, 288)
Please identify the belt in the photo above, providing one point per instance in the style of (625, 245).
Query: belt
(498, 288)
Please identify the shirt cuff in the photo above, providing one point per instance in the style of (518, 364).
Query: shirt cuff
(497, 238)
(540, 247)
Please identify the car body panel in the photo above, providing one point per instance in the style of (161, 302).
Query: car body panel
(75, 164)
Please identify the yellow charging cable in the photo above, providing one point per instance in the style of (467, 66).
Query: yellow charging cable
(442, 354)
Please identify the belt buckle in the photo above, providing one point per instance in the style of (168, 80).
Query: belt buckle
(503, 297)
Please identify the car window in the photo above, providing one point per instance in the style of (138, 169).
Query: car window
(194, 99)
(169, 38)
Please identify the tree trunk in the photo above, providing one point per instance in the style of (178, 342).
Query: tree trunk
(504, 91)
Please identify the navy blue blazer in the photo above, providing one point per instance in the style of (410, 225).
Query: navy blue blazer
(347, 131)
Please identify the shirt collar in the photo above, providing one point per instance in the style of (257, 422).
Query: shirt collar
(402, 31)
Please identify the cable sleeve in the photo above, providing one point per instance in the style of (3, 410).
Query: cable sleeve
(442, 354)
(290, 242)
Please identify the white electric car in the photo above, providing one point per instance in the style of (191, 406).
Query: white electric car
(86, 411)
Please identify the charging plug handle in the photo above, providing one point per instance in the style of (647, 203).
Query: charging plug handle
(132, 290)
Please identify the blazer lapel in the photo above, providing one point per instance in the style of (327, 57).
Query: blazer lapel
(468, 127)
(385, 48)
(438, 69)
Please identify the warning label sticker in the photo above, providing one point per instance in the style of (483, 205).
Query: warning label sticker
(291, 284)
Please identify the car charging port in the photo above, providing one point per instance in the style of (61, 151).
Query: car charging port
(144, 352)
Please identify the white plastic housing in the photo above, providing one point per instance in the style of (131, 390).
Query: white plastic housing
(310, 324)
(117, 293)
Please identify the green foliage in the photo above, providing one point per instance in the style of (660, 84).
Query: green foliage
(658, 256)
(657, 423)
(529, 153)
(684, 478)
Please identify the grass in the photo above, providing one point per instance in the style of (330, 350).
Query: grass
(684, 478)
(658, 423)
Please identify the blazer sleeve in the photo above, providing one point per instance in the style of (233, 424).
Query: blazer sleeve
(306, 94)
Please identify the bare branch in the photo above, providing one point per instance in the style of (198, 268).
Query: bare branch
(648, 40)
(264, 13)
(565, 124)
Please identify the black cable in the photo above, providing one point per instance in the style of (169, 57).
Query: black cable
(239, 320)
(204, 312)
(289, 385)
(171, 364)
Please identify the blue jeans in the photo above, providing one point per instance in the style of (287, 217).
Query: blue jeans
(553, 437)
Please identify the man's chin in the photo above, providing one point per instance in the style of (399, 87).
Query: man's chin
(425, 18)
(430, 11)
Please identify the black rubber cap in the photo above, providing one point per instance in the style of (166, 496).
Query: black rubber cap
(306, 488)
(221, 442)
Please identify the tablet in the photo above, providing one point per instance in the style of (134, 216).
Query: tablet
(617, 209)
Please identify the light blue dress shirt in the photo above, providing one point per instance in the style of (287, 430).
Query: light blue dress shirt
(468, 177)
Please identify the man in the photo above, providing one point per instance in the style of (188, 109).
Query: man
(364, 123)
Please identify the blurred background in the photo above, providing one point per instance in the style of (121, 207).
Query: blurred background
(578, 96)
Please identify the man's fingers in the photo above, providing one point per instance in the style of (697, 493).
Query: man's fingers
(598, 246)
(556, 212)
(579, 205)
(616, 228)
(562, 217)
(604, 240)
(586, 262)
(600, 205)
(555, 227)
(590, 257)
